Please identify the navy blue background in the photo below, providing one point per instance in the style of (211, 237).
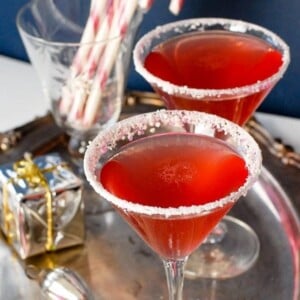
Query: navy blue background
(280, 16)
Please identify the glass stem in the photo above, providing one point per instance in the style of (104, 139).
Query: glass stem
(175, 275)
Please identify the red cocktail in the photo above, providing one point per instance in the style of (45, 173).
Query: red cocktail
(174, 170)
(221, 66)
(224, 67)
(215, 60)
(153, 169)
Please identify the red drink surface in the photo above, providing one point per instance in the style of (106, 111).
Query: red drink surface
(215, 60)
(173, 170)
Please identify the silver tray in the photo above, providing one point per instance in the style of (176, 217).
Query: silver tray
(116, 264)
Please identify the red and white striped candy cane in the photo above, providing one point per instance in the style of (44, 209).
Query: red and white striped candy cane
(175, 6)
(88, 36)
(146, 4)
(120, 25)
(92, 62)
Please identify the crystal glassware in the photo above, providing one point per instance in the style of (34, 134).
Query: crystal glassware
(224, 67)
(150, 168)
(83, 78)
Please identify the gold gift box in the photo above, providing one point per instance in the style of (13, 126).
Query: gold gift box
(41, 206)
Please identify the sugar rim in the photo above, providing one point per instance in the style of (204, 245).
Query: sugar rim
(235, 26)
(106, 140)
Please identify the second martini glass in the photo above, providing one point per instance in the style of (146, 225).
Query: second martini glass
(153, 169)
(225, 67)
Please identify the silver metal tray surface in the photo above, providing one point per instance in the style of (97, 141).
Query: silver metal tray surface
(117, 265)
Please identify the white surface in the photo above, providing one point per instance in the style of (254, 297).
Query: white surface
(285, 128)
(21, 96)
(22, 100)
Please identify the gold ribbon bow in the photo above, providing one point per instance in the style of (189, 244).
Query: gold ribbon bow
(26, 169)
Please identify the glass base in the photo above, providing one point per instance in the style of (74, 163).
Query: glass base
(231, 256)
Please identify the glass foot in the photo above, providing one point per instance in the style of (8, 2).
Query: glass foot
(231, 256)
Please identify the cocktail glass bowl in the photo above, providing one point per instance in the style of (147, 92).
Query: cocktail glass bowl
(172, 232)
(229, 94)
(236, 103)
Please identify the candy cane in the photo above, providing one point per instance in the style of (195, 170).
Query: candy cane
(175, 6)
(88, 36)
(89, 33)
(90, 66)
(120, 26)
(146, 4)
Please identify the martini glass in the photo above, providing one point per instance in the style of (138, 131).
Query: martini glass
(150, 168)
(224, 67)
